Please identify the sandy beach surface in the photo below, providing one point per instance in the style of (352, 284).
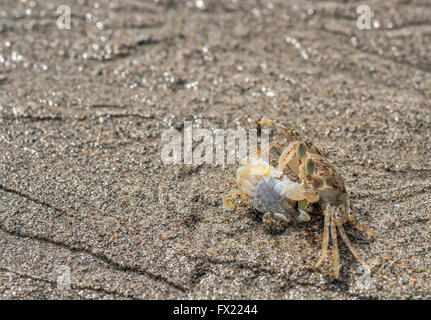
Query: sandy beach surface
(83, 188)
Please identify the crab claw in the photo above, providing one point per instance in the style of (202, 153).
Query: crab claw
(291, 190)
(314, 181)
(301, 150)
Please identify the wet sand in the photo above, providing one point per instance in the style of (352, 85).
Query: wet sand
(82, 183)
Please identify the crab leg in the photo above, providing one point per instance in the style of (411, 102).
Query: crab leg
(335, 253)
(325, 241)
(354, 221)
(289, 133)
(266, 150)
(351, 247)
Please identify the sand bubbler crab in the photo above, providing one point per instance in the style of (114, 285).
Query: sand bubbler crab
(272, 193)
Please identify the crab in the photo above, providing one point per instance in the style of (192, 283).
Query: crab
(271, 192)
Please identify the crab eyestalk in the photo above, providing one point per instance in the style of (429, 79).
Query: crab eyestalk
(310, 167)
(301, 150)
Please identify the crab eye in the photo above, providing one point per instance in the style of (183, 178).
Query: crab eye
(301, 149)
(310, 167)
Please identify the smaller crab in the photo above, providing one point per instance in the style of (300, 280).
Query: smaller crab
(273, 194)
